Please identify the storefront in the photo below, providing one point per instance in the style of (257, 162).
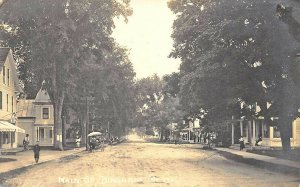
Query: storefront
(8, 134)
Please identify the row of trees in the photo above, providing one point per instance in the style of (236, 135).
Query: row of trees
(68, 45)
(237, 53)
(157, 104)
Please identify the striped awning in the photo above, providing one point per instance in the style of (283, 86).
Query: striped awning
(8, 127)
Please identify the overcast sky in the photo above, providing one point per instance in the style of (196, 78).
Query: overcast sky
(148, 36)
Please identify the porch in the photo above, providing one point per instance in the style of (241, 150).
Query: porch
(251, 130)
(44, 135)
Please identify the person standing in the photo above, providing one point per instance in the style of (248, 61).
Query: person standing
(78, 140)
(36, 150)
(242, 143)
(26, 142)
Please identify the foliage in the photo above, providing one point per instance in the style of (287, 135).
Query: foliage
(60, 39)
(235, 53)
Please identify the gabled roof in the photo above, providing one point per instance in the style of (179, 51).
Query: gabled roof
(5, 53)
(42, 97)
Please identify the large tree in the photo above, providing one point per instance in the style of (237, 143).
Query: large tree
(62, 36)
(236, 52)
(157, 103)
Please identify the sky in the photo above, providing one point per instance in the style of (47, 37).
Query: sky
(148, 37)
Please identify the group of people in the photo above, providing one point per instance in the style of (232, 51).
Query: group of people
(242, 142)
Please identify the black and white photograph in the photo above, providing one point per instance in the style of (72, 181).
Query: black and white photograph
(149, 93)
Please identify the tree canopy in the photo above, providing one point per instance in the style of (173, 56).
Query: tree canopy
(61, 41)
(236, 53)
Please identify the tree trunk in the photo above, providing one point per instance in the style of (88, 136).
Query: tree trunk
(64, 128)
(285, 125)
(58, 104)
(58, 100)
(83, 129)
(161, 134)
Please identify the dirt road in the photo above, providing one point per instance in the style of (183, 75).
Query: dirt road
(148, 164)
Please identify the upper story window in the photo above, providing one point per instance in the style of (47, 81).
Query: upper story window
(45, 113)
(0, 100)
(7, 102)
(12, 104)
(3, 71)
(8, 77)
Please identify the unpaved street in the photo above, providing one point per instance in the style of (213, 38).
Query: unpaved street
(150, 164)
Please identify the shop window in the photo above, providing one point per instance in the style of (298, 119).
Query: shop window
(13, 137)
(6, 138)
(45, 113)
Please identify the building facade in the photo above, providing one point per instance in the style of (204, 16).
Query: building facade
(251, 130)
(9, 91)
(37, 118)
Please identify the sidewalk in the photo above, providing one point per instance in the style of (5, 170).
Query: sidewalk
(266, 162)
(24, 159)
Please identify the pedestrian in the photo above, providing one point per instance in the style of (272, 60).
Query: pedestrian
(36, 150)
(242, 143)
(26, 142)
(258, 141)
(78, 140)
(204, 138)
(92, 144)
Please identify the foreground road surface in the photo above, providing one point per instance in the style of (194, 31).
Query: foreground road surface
(148, 164)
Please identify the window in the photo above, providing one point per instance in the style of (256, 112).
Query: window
(13, 137)
(3, 71)
(12, 104)
(6, 137)
(7, 102)
(8, 77)
(41, 133)
(45, 113)
(0, 100)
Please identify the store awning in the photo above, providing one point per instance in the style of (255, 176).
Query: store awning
(6, 126)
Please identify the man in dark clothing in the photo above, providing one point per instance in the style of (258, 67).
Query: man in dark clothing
(36, 150)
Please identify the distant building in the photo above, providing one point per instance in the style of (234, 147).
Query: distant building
(9, 91)
(37, 118)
